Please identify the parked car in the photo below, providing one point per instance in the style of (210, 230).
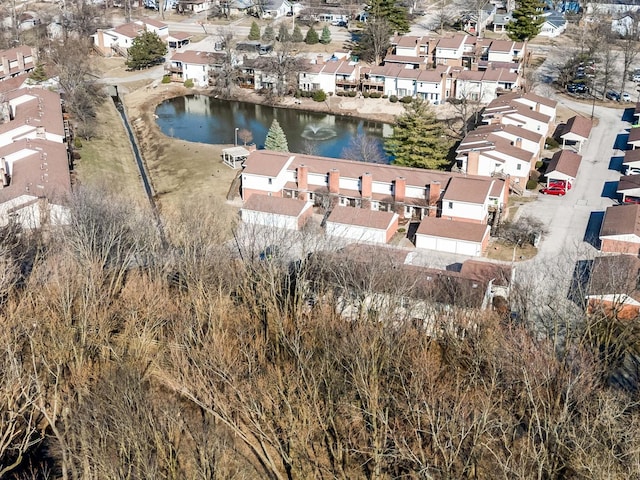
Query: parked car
(625, 97)
(635, 200)
(577, 88)
(613, 95)
(636, 75)
(560, 183)
(632, 171)
(554, 190)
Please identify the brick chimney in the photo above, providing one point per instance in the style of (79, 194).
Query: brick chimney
(400, 189)
(301, 174)
(434, 198)
(5, 65)
(5, 112)
(4, 174)
(334, 181)
(366, 185)
(473, 162)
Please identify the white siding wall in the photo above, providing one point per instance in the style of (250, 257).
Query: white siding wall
(500, 56)
(198, 73)
(359, 234)
(269, 219)
(448, 245)
(471, 211)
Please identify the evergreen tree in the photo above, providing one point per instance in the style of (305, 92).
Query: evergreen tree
(276, 139)
(268, 35)
(418, 138)
(395, 15)
(312, 37)
(38, 74)
(146, 50)
(296, 36)
(254, 33)
(527, 20)
(325, 38)
(283, 33)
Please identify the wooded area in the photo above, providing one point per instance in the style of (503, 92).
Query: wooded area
(127, 357)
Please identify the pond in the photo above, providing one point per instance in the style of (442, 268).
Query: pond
(200, 118)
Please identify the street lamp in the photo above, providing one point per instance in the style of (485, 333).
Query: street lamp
(236, 136)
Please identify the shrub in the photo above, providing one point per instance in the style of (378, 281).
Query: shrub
(188, 83)
(365, 94)
(402, 230)
(532, 184)
(385, 96)
(406, 99)
(539, 164)
(319, 96)
(298, 94)
(339, 93)
(534, 175)
(375, 94)
(352, 93)
(166, 79)
(551, 143)
(77, 143)
(393, 98)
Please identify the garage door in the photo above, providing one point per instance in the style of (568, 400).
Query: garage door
(466, 248)
(446, 245)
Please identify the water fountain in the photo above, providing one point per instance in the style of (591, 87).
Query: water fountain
(318, 133)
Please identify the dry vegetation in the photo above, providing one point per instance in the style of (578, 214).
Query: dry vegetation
(127, 357)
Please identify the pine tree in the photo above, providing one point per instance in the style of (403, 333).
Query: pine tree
(325, 38)
(268, 35)
(418, 138)
(147, 49)
(527, 20)
(283, 33)
(254, 33)
(389, 10)
(276, 139)
(312, 37)
(296, 36)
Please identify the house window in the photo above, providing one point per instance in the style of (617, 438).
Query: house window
(519, 167)
(450, 205)
(270, 181)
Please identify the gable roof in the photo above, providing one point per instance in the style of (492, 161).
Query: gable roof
(471, 190)
(453, 229)
(621, 220)
(616, 274)
(290, 207)
(362, 217)
(578, 125)
(628, 182)
(565, 161)
(634, 135)
(630, 156)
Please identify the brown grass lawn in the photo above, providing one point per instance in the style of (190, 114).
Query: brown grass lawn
(501, 250)
(107, 159)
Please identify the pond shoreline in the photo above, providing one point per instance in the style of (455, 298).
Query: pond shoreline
(211, 119)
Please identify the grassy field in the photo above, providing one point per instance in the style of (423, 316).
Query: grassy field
(107, 159)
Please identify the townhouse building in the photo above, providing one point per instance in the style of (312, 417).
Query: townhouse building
(17, 61)
(434, 69)
(194, 65)
(369, 199)
(34, 159)
(116, 41)
(511, 140)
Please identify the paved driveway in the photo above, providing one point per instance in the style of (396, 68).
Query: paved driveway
(568, 218)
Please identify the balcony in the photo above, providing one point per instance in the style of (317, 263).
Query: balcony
(346, 81)
(171, 68)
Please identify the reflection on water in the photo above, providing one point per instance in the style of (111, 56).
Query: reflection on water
(200, 118)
